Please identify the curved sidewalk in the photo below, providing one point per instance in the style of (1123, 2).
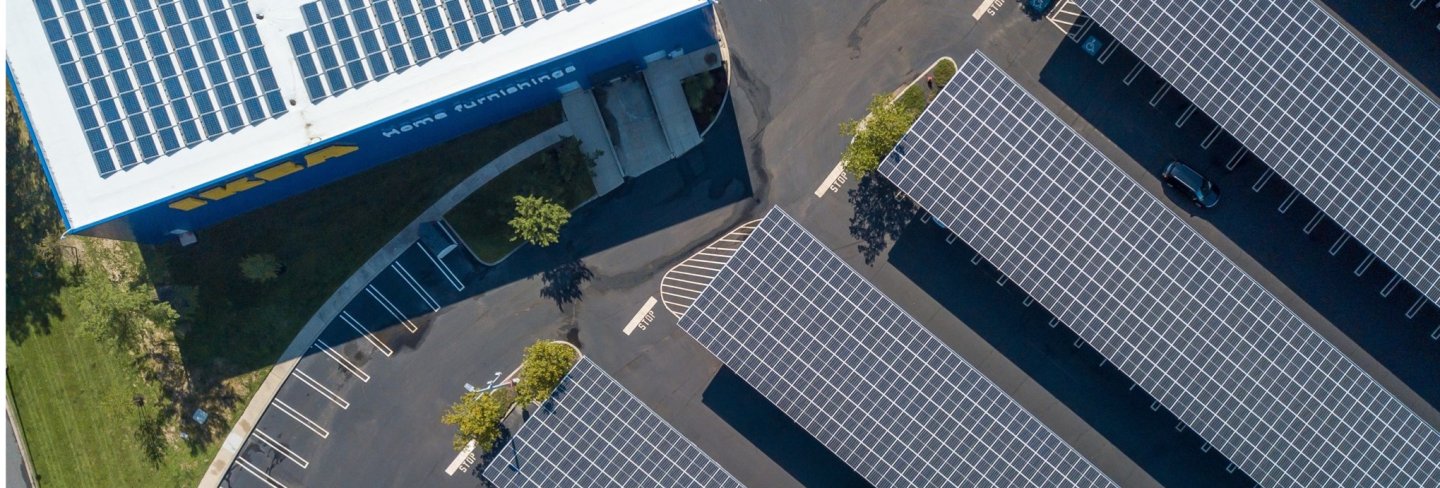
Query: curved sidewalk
(352, 287)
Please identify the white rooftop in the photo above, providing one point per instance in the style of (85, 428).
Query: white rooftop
(267, 128)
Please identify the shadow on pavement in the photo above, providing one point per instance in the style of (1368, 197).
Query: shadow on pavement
(1250, 219)
(775, 434)
(879, 215)
(562, 283)
(1099, 394)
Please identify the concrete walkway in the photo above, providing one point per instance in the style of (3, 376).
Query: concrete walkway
(664, 78)
(583, 114)
(352, 287)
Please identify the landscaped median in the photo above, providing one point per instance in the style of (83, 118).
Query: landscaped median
(890, 115)
(493, 222)
(479, 415)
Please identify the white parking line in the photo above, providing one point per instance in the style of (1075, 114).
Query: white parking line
(374, 341)
(340, 358)
(274, 444)
(415, 285)
(444, 270)
(305, 421)
(250, 468)
(394, 310)
(323, 391)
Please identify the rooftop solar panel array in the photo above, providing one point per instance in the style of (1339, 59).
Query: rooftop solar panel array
(1314, 102)
(1153, 296)
(150, 77)
(348, 43)
(863, 377)
(592, 432)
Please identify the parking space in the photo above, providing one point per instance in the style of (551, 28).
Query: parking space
(377, 324)
(1299, 248)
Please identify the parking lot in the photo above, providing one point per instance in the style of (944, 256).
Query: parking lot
(360, 415)
(385, 320)
(1268, 227)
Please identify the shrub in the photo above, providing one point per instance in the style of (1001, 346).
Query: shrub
(545, 364)
(944, 72)
(260, 268)
(912, 101)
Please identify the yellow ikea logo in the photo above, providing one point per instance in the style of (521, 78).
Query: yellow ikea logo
(258, 178)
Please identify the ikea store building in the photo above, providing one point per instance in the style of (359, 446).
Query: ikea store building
(157, 118)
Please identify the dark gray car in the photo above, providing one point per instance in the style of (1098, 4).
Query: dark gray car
(1186, 179)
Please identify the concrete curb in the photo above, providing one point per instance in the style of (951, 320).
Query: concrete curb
(13, 414)
(347, 291)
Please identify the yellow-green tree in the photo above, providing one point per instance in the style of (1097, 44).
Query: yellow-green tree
(878, 135)
(538, 220)
(477, 417)
(545, 364)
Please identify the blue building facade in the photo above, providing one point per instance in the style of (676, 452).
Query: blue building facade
(404, 133)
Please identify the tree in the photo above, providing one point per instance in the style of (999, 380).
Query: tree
(879, 133)
(115, 310)
(477, 416)
(538, 220)
(943, 73)
(260, 268)
(545, 364)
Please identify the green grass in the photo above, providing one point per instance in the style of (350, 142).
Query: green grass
(75, 401)
(76, 397)
(321, 237)
(561, 172)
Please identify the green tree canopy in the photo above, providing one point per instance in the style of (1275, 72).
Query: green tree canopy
(545, 364)
(115, 309)
(879, 133)
(538, 220)
(260, 268)
(477, 417)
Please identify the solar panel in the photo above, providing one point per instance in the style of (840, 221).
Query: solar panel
(1314, 102)
(120, 45)
(346, 40)
(593, 432)
(863, 377)
(1161, 303)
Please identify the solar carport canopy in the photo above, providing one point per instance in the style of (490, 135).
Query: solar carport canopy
(863, 377)
(1160, 302)
(1313, 101)
(592, 432)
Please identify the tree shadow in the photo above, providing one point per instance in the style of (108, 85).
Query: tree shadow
(150, 435)
(562, 283)
(881, 212)
(35, 258)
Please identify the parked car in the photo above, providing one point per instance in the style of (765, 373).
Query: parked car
(1186, 179)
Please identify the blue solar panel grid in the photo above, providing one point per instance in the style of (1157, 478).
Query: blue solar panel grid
(1154, 297)
(866, 379)
(150, 77)
(1316, 103)
(592, 432)
(348, 43)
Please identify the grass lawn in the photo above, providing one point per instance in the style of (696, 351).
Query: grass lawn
(76, 404)
(93, 414)
(561, 172)
(321, 237)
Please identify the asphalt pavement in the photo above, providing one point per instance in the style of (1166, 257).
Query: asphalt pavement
(799, 69)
